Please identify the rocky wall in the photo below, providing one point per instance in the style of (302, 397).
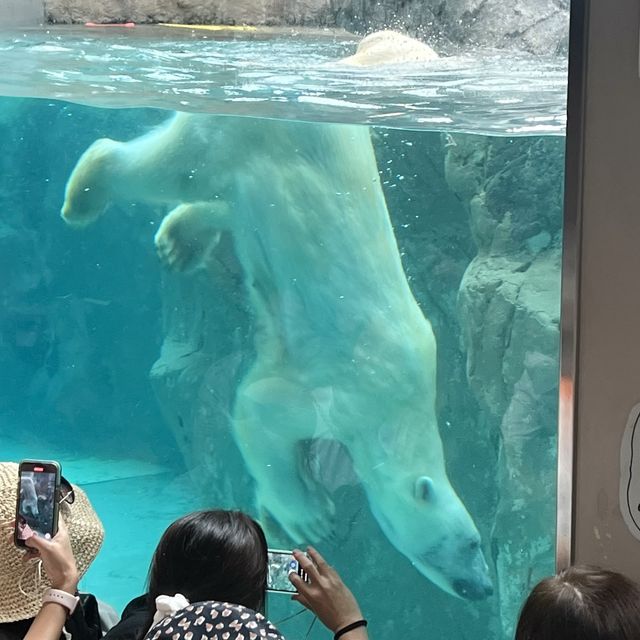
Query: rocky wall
(538, 26)
(509, 311)
(231, 12)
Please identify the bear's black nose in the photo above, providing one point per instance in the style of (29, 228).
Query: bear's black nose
(473, 590)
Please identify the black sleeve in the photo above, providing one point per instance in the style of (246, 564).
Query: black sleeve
(135, 621)
(84, 622)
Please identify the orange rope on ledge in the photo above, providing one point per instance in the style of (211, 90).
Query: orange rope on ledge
(110, 24)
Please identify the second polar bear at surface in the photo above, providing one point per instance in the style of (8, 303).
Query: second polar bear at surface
(389, 47)
(342, 349)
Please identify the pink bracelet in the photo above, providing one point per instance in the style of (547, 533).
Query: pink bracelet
(61, 597)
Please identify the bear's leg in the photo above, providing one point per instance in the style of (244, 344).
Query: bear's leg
(189, 233)
(92, 183)
(272, 416)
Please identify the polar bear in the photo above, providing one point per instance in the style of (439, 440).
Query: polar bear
(389, 47)
(342, 348)
(28, 497)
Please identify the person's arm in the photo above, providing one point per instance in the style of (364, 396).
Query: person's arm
(328, 597)
(60, 565)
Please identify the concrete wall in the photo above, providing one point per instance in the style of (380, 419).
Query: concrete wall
(255, 12)
(21, 13)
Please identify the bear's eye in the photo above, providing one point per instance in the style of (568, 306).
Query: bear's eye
(474, 546)
(424, 489)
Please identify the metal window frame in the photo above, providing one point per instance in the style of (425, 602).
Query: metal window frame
(570, 291)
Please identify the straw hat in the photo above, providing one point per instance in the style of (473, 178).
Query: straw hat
(86, 534)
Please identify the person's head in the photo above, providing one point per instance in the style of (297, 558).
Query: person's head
(581, 602)
(21, 584)
(211, 555)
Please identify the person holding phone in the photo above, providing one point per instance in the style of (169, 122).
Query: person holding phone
(77, 537)
(326, 595)
(206, 555)
(38, 507)
(213, 565)
(59, 563)
(219, 556)
(583, 602)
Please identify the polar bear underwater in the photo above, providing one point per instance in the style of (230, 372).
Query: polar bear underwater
(342, 349)
(28, 497)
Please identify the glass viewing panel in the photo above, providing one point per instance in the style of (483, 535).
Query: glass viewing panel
(324, 294)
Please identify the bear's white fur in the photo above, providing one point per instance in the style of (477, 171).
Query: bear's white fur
(342, 348)
(28, 497)
(389, 47)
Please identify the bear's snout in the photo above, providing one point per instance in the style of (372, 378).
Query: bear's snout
(469, 590)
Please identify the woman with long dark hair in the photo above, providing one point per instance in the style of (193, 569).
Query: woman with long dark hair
(212, 555)
(206, 555)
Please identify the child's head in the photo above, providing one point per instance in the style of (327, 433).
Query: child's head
(212, 555)
(582, 602)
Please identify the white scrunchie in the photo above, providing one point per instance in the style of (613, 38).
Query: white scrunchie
(167, 606)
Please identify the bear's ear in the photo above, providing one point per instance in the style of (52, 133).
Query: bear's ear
(424, 489)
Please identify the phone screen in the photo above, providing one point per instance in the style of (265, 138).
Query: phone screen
(37, 509)
(280, 564)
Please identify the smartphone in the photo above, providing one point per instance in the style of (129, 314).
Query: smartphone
(37, 505)
(280, 565)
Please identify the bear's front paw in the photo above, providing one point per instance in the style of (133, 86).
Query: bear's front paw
(88, 190)
(309, 522)
(188, 235)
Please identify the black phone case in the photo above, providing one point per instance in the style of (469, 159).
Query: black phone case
(26, 465)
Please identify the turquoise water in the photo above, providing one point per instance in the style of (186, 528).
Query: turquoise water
(295, 76)
(131, 375)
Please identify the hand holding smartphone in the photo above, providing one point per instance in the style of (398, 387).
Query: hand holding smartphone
(280, 565)
(37, 505)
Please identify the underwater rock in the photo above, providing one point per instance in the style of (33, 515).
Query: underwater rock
(207, 343)
(342, 350)
(509, 308)
(509, 302)
(510, 312)
(523, 536)
(510, 291)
